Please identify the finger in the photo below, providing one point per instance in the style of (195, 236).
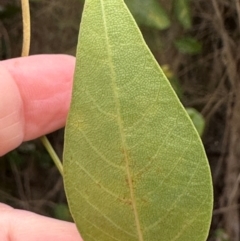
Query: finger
(18, 225)
(11, 113)
(35, 97)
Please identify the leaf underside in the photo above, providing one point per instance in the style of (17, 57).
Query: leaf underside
(134, 166)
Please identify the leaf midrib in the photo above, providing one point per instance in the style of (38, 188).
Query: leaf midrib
(121, 129)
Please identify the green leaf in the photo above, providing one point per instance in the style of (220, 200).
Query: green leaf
(188, 45)
(149, 13)
(61, 211)
(134, 166)
(197, 120)
(182, 10)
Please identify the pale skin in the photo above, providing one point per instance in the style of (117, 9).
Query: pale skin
(35, 96)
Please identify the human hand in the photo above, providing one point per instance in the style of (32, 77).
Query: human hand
(35, 96)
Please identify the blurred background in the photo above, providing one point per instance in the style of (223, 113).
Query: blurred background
(197, 43)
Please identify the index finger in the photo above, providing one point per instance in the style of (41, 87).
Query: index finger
(35, 97)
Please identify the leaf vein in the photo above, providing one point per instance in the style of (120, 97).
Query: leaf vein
(98, 107)
(120, 124)
(100, 229)
(161, 219)
(155, 155)
(97, 182)
(189, 223)
(102, 156)
(103, 215)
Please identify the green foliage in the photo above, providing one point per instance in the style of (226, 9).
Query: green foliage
(149, 13)
(134, 166)
(188, 45)
(61, 212)
(183, 12)
(197, 120)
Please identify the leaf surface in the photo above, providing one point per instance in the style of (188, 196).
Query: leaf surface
(134, 165)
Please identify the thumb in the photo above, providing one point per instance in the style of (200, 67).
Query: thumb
(19, 225)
